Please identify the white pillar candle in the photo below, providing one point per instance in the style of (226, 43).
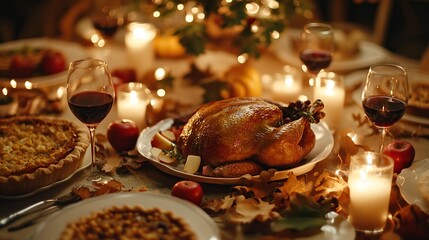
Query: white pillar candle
(139, 44)
(132, 100)
(370, 182)
(329, 88)
(286, 88)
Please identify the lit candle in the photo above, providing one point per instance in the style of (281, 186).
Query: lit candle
(330, 89)
(132, 100)
(370, 181)
(286, 88)
(139, 43)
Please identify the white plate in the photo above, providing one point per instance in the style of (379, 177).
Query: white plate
(407, 182)
(360, 76)
(199, 221)
(86, 161)
(71, 51)
(321, 150)
(369, 54)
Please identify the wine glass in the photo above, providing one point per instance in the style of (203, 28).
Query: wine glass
(106, 18)
(317, 46)
(90, 96)
(385, 96)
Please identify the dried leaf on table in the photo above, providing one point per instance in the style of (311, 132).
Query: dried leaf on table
(112, 163)
(303, 214)
(247, 210)
(217, 205)
(110, 187)
(83, 192)
(293, 186)
(328, 185)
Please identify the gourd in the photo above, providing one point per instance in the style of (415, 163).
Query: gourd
(243, 81)
(168, 46)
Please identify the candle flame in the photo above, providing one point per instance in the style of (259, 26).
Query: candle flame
(28, 85)
(242, 58)
(60, 92)
(134, 97)
(4, 91)
(160, 92)
(13, 83)
(160, 74)
(330, 84)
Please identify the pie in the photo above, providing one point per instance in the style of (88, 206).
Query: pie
(418, 102)
(38, 151)
(129, 222)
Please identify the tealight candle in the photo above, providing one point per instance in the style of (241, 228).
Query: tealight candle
(286, 88)
(370, 182)
(132, 100)
(329, 88)
(139, 44)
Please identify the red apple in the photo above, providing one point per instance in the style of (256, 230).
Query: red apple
(21, 66)
(53, 62)
(188, 190)
(123, 135)
(402, 153)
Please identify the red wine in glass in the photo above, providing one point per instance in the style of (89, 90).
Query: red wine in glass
(384, 111)
(90, 107)
(106, 26)
(315, 60)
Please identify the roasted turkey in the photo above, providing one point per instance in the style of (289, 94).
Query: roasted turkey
(240, 136)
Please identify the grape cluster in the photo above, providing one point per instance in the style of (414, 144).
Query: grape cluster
(296, 110)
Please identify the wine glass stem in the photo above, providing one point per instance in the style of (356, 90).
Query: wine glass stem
(94, 176)
(383, 134)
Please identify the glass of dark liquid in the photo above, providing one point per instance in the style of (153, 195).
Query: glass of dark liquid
(385, 96)
(90, 96)
(317, 46)
(106, 18)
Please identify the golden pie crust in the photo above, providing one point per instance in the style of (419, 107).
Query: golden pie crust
(418, 102)
(36, 151)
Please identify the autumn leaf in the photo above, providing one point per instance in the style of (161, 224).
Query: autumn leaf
(328, 185)
(294, 186)
(247, 210)
(217, 205)
(304, 213)
(112, 163)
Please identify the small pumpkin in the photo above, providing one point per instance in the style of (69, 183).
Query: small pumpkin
(243, 81)
(168, 46)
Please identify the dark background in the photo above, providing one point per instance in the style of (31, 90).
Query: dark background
(407, 31)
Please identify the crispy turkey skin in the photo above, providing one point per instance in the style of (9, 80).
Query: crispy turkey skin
(240, 136)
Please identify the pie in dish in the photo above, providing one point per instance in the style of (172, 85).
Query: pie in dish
(129, 222)
(38, 151)
(418, 102)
